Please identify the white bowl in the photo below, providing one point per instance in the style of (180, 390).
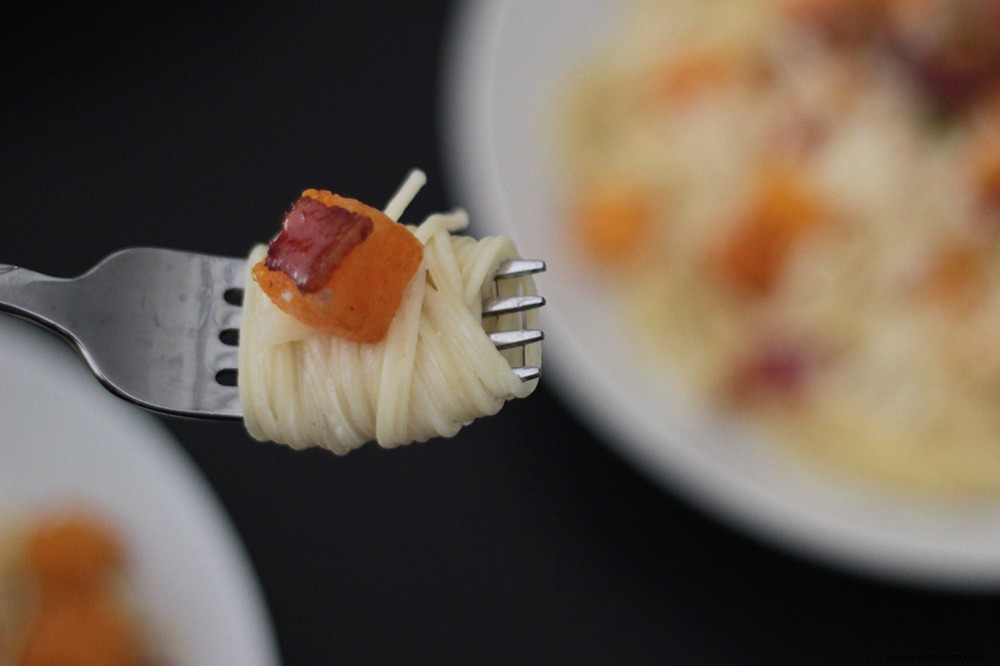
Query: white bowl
(507, 59)
(65, 439)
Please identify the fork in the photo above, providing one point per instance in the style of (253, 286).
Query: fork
(160, 327)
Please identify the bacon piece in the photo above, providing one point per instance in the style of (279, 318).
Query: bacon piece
(953, 82)
(958, 63)
(314, 240)
(359, 291)
(774, 373)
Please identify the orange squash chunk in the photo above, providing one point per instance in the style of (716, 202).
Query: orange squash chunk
(783, 210)
(684, 79)
(73, 551)
(613, 222)
(89, 629)
(365, 287)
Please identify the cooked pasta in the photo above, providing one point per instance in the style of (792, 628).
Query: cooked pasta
(435, 371)
(799, 202)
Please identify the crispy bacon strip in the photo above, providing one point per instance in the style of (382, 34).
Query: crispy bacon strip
(314, 240)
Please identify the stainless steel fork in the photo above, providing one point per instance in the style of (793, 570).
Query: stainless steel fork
(160, 327)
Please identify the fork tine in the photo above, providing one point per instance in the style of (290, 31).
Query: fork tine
(506, 305)
(516, 338)
(519, 268)
(527, 373)
(511, 304)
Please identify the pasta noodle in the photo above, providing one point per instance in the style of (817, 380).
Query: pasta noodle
(435, 371)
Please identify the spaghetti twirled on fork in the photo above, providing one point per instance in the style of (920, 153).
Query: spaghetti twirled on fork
(437, 368)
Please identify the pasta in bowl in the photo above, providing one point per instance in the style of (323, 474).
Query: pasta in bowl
(797, 201)
(434, 369)
(516, 72)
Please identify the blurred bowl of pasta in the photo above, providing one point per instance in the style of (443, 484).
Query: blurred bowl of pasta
(773, 236)
(113, 547)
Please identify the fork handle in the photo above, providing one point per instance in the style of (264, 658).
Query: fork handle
(40, 298)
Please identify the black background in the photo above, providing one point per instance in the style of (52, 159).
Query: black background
(524, 540)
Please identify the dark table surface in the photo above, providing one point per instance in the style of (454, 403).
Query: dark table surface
(523, 540)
